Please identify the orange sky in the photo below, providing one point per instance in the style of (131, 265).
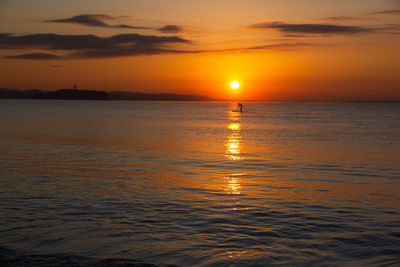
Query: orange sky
(278, 50)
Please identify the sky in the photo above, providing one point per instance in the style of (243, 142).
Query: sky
(286, 50)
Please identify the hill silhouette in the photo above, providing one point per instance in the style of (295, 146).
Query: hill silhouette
(73, 94)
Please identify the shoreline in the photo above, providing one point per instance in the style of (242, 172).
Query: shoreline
(75, 94)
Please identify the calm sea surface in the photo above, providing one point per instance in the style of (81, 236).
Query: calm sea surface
(197, 184)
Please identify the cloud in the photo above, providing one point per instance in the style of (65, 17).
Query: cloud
(36, 56)
(391, 28)
(367, 16)
(344, 18)
(94, 20)
(171, 29)
(385, 12)
(309, 28)
(90, 46)
(122, 45)
(294, 35)
(267, 47)
(280, 46)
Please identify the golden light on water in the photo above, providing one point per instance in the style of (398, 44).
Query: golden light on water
(232, 185)
(234, 126)
(233, 148)
(232, 152)
(233, 143)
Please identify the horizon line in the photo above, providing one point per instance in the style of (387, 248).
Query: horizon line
(210, 99)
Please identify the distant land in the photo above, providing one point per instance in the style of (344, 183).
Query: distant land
(74, 94)
(78, 94)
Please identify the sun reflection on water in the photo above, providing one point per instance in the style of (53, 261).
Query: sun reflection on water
(233, 143)
(234, 126)
(233, 152)
(232, 185)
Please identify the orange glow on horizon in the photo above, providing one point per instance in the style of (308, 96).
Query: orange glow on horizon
(269, 65)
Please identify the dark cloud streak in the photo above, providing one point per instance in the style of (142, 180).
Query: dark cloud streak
(171, 29)
(35, 56)
(58, 47)
(94, 20)
(324, 29)
(90, 46)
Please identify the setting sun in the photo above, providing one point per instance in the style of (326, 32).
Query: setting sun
(234, 84)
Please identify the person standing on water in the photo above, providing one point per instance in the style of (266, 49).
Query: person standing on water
(240, 107)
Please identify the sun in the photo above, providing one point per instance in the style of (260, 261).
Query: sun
(234, 84)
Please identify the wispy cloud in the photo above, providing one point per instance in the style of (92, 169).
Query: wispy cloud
(171, 29)
(265, 47)
(94, 20)
(280, 46)
(326, 29)
(89, 46)
(386, 12)
(55, 46)
(36, 56)
(363, 17)
(344, 18)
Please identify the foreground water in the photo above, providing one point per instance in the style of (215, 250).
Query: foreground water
(198, 184)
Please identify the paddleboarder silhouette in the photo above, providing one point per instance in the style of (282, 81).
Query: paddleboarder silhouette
(240, 107)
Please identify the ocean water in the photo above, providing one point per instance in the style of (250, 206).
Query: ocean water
(195, 184)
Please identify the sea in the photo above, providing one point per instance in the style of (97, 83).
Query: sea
(199, 184)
